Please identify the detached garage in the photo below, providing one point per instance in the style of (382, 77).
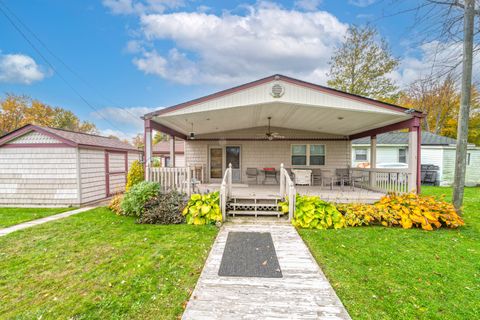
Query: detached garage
(41, 166)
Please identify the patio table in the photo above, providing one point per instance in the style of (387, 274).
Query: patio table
(269, 174)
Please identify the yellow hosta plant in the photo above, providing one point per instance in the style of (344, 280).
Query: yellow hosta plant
(313, 213)
(203, 209)
(405, 210)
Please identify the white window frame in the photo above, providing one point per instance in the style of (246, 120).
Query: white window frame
(366, 154)
(307, 162)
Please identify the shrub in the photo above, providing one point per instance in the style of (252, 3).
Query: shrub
(115, 203)
(203, 209)
(166, 208)
(135, 198)
(405, 210)
(136, 174)
(313, 213)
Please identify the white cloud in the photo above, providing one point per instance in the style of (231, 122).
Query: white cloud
(433, 59)
(124, 116)
(309, 5)
(119, 134)
(19, 68)
(140, 7)
(361, 3)
(230, 48)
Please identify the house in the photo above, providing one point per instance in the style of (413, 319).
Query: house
(41, 166)
(161, 151)
(276, 126)
(392, 147)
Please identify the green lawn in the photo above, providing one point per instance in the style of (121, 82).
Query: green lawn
(96, 265)
(12, 216)
(391, 273)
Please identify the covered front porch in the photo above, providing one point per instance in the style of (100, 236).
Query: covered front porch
(279, 136)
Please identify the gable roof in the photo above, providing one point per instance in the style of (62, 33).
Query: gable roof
(279, 77)
(71, 138)
(163, 147)
(428, 139)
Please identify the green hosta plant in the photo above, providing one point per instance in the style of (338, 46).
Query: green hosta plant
(313, 213)
(134, 200)
(203, 209)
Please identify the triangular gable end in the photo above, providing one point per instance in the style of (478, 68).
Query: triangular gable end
(280, 89)
(33, 137)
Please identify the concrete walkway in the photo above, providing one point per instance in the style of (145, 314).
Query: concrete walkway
(36, 222)
(302, 293)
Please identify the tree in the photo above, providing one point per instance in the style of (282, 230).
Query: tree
(362, 64)
(17, 111)
(439, 100)
(138, 141)
(160, 136)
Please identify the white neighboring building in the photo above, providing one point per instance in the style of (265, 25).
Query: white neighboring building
(436, 150)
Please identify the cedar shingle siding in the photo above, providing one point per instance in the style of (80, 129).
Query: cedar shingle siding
(38, 169)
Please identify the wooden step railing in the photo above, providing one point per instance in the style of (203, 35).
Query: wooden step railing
(225, 191)
(287, 190)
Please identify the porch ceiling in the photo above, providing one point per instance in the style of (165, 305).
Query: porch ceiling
(317, 118)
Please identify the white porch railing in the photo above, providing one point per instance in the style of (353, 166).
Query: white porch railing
(287, 190)
(179, 178)
(225, 191)
(384, 180)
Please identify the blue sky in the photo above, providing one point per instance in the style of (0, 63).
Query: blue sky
(141, 55)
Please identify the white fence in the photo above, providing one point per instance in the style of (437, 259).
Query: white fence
(383, 180)
(287, 190)
(179, 178)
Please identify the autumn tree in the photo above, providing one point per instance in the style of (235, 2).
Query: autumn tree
(439, 100)
(160, 136)
(17, 111)
(361, 65)
(138, 142)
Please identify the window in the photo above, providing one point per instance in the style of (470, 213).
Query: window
(308, 155)
(299, 155)
(468, 158)
(402, 155)
(361, 154)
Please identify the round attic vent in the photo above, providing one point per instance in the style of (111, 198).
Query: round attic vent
(277, 90)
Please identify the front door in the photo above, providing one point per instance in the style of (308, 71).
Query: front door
(216, 163)
(232, 155)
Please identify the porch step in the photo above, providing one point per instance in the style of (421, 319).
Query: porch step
(255, 213)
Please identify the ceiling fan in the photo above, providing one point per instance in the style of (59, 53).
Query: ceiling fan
(272, 135)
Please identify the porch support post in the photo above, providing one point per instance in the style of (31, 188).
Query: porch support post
(147, 148)
(413, 158)
(172, 151)
(373, 159)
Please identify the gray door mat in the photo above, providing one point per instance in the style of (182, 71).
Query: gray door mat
(249, 254)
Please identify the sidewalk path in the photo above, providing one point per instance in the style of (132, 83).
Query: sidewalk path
(36, 222)
(302, 293)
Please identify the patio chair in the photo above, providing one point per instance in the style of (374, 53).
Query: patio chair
(252, 173)
(270, 173)
(290, 173)
(357, 178)
(316, 176)
(342, 175)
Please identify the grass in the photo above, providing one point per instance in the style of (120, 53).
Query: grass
(13, 216)
(391, 273)
(96, 265)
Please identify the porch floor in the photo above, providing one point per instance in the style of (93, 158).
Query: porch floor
(337, 195)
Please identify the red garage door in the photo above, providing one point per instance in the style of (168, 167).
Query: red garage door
(116, 168)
